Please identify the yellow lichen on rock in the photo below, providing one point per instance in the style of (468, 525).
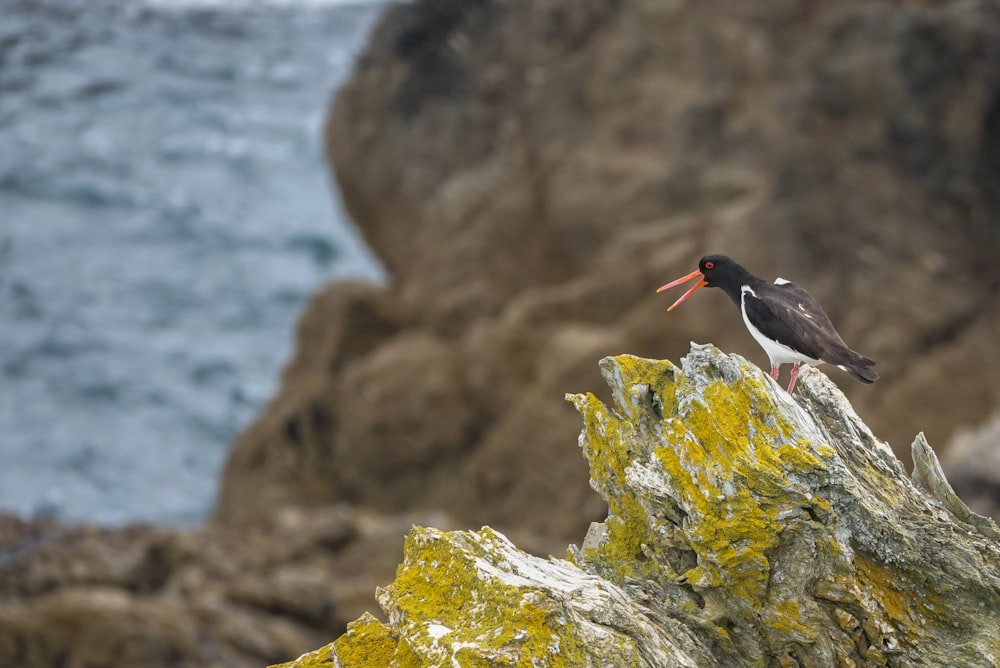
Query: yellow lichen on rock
(606, 447)
(727, 455)
(368, 642)
(318, 658)
(462, 603)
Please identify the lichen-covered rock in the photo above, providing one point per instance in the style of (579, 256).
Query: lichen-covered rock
(745, 527)
(473, 599)
(781, 526)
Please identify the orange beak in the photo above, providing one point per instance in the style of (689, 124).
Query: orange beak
(684, 279)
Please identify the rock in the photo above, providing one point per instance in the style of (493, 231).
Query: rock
(746, 527)
(503, 606)
(928, 474)
(339, 325)
(529, 173)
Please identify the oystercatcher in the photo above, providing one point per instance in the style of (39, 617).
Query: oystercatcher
(783, 318)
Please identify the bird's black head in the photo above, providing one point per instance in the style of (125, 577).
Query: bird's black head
(720, 271)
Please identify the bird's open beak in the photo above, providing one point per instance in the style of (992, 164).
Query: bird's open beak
(684, 279)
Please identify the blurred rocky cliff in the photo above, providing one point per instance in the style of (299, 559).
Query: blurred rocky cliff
(529, 172)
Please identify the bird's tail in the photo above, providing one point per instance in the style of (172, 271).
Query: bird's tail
(862, 369)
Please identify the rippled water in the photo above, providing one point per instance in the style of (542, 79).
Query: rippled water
(164, 214)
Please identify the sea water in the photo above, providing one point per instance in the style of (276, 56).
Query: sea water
(165, 212)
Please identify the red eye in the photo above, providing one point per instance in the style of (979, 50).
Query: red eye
(709, 265)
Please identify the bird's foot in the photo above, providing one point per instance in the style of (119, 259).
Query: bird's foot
(795, 377)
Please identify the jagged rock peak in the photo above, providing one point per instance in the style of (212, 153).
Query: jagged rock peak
(745, 527)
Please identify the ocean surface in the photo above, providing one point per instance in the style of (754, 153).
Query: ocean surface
(165, 213)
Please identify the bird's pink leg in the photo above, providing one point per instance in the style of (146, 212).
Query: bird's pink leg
(795, 376)
(774, 371)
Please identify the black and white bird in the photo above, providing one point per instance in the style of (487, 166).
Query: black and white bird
(783, 318)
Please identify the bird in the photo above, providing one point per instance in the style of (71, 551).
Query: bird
(787, 322)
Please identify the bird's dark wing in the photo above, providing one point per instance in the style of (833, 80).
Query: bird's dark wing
(789, 315)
